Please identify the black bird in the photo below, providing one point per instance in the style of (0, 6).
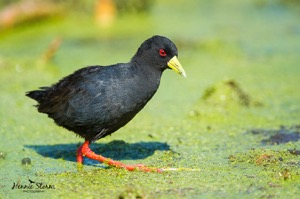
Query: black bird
(96, 101)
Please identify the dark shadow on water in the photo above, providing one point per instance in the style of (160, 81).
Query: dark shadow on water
(278, 136)
(117, 150)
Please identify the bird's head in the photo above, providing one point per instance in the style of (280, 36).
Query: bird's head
(159, 52)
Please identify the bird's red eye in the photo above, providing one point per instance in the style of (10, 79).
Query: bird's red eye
(162, 53)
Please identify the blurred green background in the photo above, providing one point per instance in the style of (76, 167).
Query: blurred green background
(231, 127)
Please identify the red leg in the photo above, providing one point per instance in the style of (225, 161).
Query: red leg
(79, 156)
(85, 150)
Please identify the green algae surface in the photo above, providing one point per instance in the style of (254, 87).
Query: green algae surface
(231, 128)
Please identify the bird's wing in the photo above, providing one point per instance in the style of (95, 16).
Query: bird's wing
(71, 95)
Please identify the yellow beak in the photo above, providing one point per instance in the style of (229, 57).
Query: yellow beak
(175, 65)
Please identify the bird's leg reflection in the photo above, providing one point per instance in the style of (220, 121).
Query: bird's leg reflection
(84, 150)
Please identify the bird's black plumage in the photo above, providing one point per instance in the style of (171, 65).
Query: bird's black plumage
(96, 101)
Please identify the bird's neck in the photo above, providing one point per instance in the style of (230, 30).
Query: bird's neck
(147, 79)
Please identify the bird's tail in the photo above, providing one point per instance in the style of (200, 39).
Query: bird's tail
(37, 95)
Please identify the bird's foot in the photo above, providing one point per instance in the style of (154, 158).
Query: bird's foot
(135, 167)
(85, 150)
